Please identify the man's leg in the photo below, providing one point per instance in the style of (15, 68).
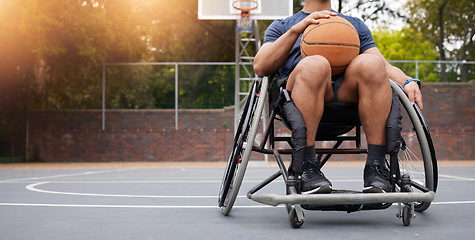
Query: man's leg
(366, 82)
(310, 84)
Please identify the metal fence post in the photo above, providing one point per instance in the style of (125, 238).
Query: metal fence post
(417, 69)
(237, 75)
(103, 96)
(176, 96)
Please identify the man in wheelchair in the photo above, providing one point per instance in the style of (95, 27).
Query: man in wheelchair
(311, 83)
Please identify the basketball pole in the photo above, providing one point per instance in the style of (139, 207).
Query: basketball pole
(237, 81)
(246, 32)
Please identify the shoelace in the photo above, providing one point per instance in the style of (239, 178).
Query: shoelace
(312, 170)
(380, 171)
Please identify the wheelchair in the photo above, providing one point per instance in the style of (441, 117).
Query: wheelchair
(410, 156)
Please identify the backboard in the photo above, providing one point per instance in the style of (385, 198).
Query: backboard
(223, 10)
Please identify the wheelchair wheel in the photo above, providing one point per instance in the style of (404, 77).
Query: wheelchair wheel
(416, 156)
(406, 215)
(242, 146)
(294, 220)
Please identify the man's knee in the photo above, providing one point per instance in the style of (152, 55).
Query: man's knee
(314, 70)
(315, 64)
(369, 68)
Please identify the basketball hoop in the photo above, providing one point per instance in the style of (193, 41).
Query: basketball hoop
(245, 6)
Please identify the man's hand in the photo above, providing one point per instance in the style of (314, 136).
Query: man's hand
(300, 27)
(414, 93)
(272, 55)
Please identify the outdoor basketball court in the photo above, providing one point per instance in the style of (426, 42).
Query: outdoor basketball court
(153, 200)
(179, 201)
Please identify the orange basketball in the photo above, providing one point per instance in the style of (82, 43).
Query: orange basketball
(333, 38)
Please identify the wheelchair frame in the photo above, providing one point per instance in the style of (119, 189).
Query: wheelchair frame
(412, 195)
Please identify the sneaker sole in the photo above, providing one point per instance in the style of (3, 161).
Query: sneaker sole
(322, 189)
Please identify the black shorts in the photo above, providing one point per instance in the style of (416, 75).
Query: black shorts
(336, 83)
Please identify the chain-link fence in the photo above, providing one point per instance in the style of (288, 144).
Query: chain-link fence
(438, 71)
(174, 86)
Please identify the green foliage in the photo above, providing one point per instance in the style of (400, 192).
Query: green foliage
(408, 45)
(52, 51)
(404, 45)
(451, 26)
(80, 31)
(64, 41)
(458, 22)
(206, 86)
(129, 87)
(56, 48)
(163, 87)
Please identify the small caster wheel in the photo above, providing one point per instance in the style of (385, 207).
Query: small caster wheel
(406, 215)
(294, 220)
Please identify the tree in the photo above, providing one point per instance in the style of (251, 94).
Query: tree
(64, 41)
(15, 72)
(173, 32)
(379, 12)
(449, 24)
(67, 41)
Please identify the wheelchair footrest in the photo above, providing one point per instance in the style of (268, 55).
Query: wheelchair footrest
(343, 198)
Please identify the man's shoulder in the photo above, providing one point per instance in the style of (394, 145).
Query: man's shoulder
(297, 16)
(281, 26)
(292, 20)
(356, 22)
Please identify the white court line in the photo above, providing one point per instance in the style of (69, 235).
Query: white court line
(144, 181)
(171, 207)
(174, 181)
(32, 187)
(453, 202)
(123, 206)
(458, 178)
(65, 175)
(452, 178)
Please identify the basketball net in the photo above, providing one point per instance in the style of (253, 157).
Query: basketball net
(244, 20)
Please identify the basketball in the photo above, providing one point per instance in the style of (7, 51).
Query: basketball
(335, 39)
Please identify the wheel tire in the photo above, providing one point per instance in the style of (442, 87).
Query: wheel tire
(406, 215)
(294, 220)
(246, 133)
(417, 154)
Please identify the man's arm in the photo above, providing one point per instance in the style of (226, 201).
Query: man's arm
(272, 56)
(412, 88)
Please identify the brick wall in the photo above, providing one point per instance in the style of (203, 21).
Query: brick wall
(449, 109)
(207, 135)
(130, 135)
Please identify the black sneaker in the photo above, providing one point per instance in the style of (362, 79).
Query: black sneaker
(376, 179)
(313, 180)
